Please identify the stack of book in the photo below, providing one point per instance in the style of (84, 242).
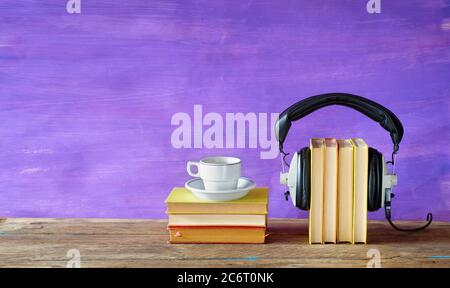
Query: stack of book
(339, 176)
(193, 220)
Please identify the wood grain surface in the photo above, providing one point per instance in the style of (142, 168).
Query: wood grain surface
(143, 243)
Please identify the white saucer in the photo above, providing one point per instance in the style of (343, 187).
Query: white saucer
(196, 187)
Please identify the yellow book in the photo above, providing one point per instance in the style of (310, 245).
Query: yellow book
(317, 147)
(330, 191)
(345, 192)
(217, 220)
(182, 201)
(217, 235)
(361, 163)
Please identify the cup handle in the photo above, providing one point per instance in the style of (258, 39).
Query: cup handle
(189, 166)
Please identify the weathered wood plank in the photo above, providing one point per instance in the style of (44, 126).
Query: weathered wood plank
(143, 243)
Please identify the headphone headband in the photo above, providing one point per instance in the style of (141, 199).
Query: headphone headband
(386, 118)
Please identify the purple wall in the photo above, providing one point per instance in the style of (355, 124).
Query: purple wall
(86, 100)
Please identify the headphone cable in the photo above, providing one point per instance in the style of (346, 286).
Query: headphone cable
(284, 156)
(429, 219)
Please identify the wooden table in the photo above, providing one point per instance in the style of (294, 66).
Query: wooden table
(143, 243)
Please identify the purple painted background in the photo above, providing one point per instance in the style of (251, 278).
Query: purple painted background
(86, 100)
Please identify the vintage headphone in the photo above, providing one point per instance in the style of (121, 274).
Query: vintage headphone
(380, 182)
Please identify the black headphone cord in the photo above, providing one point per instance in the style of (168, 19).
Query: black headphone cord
(284, 156)
(429, 219)
(388, 211)
(392, 162)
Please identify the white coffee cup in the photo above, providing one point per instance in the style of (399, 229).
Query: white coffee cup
(217, 173)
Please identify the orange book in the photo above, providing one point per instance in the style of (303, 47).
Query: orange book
(215, 234)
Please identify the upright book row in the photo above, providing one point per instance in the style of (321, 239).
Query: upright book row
(339, 185)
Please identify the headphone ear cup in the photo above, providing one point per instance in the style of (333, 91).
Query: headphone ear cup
(375, 181)
(303, 179)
